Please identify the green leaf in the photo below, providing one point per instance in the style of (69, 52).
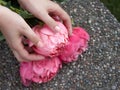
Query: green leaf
(22, 12)
(2, 2)
(60, 0)
(25, 14)
(72, 20)
(1, 37)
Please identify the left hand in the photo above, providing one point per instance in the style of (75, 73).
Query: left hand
(13, 27)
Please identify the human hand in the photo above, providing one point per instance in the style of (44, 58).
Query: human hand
(42, 9)
(14, 28)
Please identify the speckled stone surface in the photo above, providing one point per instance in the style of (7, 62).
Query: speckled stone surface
(96, 69)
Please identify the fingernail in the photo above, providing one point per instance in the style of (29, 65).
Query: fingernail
(39, 44)
(57, 28)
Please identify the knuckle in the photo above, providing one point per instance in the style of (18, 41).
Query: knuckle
(14, 46)
(24, 56)
(67, 16)
(57, 6)
(54, 7)
(20, 60)
(23, 29)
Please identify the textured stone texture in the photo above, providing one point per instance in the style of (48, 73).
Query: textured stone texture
(97, 69)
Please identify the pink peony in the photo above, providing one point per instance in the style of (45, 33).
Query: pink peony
(59, 47)
(76, 45)
(39, 71)
(53, 43)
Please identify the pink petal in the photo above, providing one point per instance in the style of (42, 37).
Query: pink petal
(76, 45)
(26, 72)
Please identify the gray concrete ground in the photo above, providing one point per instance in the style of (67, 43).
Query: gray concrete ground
(97, 69)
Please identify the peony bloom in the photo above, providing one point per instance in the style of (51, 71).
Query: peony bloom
(39, 71)
(53, 43)
(77, 44)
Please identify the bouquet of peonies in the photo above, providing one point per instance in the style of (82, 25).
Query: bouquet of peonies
(58, 48)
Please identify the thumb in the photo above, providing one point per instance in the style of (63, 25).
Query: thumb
(30, 34)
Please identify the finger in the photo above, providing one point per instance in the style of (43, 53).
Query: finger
(30, 34)
(18, 57)
(21, 59)
(46, 18)
(22, 55)
(58, 11)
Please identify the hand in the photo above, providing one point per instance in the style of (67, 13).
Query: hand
(14, 28)
(42, 9)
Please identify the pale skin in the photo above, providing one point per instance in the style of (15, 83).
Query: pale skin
(14, 27)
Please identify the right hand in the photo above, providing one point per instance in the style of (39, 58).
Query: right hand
(14, 28)
(43, 9)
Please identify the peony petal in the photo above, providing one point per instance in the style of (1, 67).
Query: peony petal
(77, 44)
(26, 72)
